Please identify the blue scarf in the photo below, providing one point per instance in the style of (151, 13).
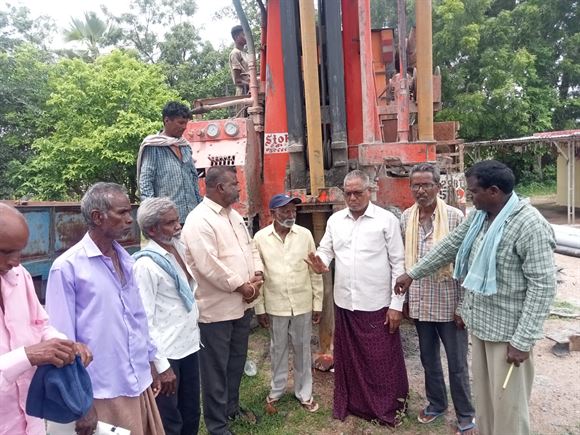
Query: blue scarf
(183, 287)
(481, 276)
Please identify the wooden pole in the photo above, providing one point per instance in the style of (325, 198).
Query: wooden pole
(424, 70)
(314, 140)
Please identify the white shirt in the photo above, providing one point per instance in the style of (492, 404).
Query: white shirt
(172, 328)
(369, 257)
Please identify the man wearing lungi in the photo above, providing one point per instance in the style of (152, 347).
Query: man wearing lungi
(370, 379)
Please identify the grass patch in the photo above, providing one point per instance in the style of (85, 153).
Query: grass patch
(292, 419)
(535, 188)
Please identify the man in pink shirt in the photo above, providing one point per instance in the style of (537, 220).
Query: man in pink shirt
(26, 338)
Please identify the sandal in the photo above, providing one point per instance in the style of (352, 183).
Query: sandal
(310, 405)
(270, 407)
(468, 429)
(427, 417)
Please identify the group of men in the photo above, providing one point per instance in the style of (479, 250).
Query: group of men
(174, 319)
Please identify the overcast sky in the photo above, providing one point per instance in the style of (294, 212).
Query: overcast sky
(216, 31)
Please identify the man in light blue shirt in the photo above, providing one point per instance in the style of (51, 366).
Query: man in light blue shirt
(92, 298)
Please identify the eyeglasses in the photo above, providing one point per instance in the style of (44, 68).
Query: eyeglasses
(424, 186)
(355, 193)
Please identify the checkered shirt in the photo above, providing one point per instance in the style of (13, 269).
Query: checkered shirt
(526, 279)
(164, 175)
(431, 299)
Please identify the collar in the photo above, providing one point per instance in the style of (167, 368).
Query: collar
(156, 247)
(213, 205)
(272, 231)
(92, 250)
(371, 211)
(12, 277)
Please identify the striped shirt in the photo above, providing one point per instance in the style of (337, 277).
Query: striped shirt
(163, 174)
(431, 299)
(526, 278)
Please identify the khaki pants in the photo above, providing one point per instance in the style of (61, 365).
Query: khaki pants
(499, 411)
(299, 330)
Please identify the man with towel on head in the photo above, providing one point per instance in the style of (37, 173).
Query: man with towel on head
(433, 300)
(503, 255)
(165, 166)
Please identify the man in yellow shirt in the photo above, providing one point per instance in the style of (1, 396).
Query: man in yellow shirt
(291, 300)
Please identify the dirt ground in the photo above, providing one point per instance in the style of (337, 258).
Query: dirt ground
(555, 404)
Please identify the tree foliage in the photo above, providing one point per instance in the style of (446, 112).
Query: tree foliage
(92, 31)
(23, 93)
(97, 115)
(509, 68)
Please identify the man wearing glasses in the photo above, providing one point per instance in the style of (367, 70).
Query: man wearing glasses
(433, 300)
(370, 379)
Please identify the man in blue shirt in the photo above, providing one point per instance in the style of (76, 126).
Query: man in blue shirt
(165, 166)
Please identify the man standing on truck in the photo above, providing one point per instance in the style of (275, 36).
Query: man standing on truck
(239, 62)
(27, 339)
(93, 297)
(165, 166)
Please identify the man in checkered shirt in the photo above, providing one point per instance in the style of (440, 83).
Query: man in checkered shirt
(165, 166)
(507, 300)
(433, 300)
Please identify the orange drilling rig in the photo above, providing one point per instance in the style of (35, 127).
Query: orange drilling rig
(331, 95)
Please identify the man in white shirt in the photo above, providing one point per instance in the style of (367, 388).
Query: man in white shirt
(370, 379)
(167, 289)
(291, 300)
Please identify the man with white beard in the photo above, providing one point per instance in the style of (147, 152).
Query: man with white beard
(167, 289)
(291, 300)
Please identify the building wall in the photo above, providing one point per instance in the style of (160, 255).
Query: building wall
(562, 180)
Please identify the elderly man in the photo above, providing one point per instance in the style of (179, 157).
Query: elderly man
(92, 297)
(365, 241)
(228, 270)
(27, 339)
(167, 290)
(291, 300)
(433, 300)
(165, 167)
(503, 254)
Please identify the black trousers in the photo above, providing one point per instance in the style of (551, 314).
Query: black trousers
(222, 361)
(180, 413)
(454, 340)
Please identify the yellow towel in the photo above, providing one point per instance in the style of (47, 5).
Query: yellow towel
(440, 230)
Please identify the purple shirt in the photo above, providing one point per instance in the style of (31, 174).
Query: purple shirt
(86, 301)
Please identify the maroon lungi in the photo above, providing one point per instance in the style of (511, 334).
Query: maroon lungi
(370, 378)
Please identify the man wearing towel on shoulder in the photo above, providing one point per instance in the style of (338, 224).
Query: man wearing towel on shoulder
(433, 301)
(503, 255)
(165, 166)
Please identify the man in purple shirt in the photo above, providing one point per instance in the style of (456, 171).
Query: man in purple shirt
(92, 298)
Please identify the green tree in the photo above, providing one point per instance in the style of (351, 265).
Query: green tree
(92, 31)
(24, 66)
(510, 68)
(97, 115)
(23, 92)
(17, 26)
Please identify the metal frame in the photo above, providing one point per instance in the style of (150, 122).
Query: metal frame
(553, 139)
